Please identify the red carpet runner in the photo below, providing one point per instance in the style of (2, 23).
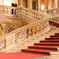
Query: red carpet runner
(18, 55)
(54, 23)
(45, 46)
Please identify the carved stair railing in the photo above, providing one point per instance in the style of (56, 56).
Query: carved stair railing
(7, 10)
(27, 32)
(54, 14)
(26, 13)
(19, 35)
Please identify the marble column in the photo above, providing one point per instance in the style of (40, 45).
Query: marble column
(39, 5)
(49, 4)
(2, 2)
(56, 3)
(29, 4)
(20, 3)
(45, 3)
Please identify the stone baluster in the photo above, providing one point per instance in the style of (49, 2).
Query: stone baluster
(20, 36)
(51, 14)
(25, 11)
(14, 11)
(1, 10)
(28, 14)
(10, 39)
(33, 30)
(37, 28)
(3, 44)
(7, 10)
(18, 12)
(57, 11)
(54, 12)
(30, 32)
(25, 33)
(42, 26)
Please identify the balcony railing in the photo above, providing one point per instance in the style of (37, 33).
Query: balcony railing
(7, 10)
(54, 14)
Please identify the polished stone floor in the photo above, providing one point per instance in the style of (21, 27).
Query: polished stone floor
(48, 57)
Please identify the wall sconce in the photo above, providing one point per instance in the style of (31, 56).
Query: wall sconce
(42, 7)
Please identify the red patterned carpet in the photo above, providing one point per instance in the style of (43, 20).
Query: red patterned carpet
(18, 55)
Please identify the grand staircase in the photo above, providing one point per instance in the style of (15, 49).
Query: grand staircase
(31, 40)
(45, 46)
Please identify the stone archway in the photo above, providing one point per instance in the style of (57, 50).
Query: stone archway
(9, 28)
(1, 30)
(6, 27)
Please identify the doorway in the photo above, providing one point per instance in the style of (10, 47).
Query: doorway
(25, 3)
(35, 4)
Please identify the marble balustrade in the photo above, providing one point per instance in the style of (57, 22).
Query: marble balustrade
(24, 33)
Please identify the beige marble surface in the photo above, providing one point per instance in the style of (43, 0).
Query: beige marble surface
(48, 57)
(36, 39)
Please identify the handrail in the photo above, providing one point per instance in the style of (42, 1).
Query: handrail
(54, 14)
